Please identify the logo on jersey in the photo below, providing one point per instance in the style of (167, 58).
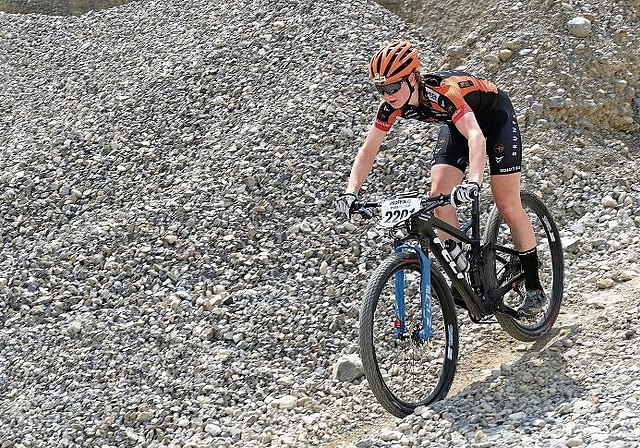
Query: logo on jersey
(432, 95)
(465, 84)
(498, 149)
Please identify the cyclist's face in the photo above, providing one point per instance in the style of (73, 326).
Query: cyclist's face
(400, 97)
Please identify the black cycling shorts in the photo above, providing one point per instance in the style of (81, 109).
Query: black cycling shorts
(504, 144)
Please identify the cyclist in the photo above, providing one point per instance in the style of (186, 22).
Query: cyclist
(479, 122)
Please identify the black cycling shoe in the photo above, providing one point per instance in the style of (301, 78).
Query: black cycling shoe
(534, 301)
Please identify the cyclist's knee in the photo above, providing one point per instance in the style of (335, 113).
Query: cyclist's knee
(512, 212)
(444, 178)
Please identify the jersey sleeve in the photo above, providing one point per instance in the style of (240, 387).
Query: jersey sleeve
(458, 106)
(386, 116)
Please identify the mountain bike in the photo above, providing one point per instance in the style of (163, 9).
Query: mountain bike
(408, 333)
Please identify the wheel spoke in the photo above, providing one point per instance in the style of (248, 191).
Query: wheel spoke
(406, 372)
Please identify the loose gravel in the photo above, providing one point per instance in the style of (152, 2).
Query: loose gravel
(172, 272)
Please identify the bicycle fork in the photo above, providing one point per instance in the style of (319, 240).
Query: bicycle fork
(425, 296)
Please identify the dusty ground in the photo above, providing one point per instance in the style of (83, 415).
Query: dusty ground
(475, 365)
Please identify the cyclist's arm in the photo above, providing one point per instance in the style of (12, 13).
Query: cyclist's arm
(468, 126)
(364, 159)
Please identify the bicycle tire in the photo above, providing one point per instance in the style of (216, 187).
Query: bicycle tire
(431, 364)
(551, 262)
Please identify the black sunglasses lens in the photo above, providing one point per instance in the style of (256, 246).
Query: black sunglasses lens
(389, 89)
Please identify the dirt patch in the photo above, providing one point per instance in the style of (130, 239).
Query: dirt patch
(344, 439)
(475, 365)
(437, 18)
(493, 348)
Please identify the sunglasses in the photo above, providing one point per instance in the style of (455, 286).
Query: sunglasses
(390, 89)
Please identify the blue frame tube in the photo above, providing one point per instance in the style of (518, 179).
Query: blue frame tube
(425, 294)
(399, 324)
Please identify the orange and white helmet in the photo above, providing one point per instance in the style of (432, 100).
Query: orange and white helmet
(393, 63)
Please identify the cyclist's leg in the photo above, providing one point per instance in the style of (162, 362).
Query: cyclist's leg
(449, 163)
(504, 150)
(443, 179)
(506, 194)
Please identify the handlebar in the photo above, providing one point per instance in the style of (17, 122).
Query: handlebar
(363, 208)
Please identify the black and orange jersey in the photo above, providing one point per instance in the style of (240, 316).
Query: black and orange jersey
(445, 96)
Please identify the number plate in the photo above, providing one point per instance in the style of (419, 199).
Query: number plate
(398, 210)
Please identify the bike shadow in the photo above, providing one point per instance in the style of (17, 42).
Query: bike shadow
(520, 393)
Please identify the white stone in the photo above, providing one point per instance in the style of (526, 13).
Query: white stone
(579, 27)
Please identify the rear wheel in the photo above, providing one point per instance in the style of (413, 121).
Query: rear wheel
(407, 372)
(503, 268)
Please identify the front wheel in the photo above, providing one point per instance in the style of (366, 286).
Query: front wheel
(407, 371)
(503, 268)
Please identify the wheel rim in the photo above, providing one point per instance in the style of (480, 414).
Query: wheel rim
(552, 286)
(410, 369)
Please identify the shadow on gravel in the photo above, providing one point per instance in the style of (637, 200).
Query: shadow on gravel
(521, 394)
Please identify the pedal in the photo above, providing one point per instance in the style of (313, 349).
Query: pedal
(483, 320)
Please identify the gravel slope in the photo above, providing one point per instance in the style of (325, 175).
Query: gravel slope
(171, 269)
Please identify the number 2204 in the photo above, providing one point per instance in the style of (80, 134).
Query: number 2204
(397, 215)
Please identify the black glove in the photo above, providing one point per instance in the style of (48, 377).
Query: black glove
(464, 193)
(345, 202)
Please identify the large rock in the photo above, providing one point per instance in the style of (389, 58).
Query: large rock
(579, 26)
(348, 368)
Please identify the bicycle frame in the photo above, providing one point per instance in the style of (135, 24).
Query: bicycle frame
(418, 367)
(480, 301)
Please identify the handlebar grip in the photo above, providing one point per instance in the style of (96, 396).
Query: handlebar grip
(357, 205)
(362, 208)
